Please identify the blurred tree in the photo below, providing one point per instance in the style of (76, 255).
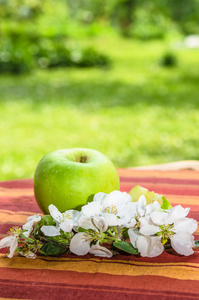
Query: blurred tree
(118, 12)
(185, 14)
(18, 34)
(139, 15)
(87, 11)
(123, 15)
(18, 18)
(24, 45)
(20, 10)
(149, 21)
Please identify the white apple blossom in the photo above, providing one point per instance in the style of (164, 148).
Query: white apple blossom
(183, 243)
(164, 225)
(147, 246)
(93, 223)
(107, 206)
(98, 250)
(133, 211)
(81, 242)
(65, 221)
(29, 224)
(11, 241)
(106, 220)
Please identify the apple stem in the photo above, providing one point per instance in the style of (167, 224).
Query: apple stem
(83, 159)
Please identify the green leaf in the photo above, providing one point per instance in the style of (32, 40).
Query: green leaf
(58, 239)
(46, 220)
(125, 246)
(166, 204)
(196, 243)
(53, 249)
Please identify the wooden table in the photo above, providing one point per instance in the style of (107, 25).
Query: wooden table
(169, 276)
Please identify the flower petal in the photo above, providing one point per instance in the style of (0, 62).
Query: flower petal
(29, 224)
(100, 223)
(158, 217)
(175, 213)
(29, 227)
(111, 219)
(117, 199)
(185, 225)
(75, 215)
(91, 209)
(55, 213)
(50, 230)
(143, 244)
(67, 225)
(132, 223)
(133, 236)
(7, 241)
(79, 244)
(36, 218)
(128, 221)
(98, 250)
(182, 243)
(147, 228)
(128, 212)
(99, 198)
(156, 247)
(86, 222)
(153, 207)
(13, 247)
(141, 205)
(149, 246)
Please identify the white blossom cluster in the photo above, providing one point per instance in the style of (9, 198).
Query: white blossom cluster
(100, 223)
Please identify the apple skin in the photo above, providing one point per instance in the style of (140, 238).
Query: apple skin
(61, 179)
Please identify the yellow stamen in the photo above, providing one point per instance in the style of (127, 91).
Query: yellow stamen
(111, 210)
(66, 216)
(15, 230)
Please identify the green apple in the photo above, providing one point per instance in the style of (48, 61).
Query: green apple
(69, 178)
(138, 190)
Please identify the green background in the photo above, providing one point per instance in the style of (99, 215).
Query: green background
(137, 111)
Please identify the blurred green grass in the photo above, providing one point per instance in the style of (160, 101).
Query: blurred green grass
(136, 112)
